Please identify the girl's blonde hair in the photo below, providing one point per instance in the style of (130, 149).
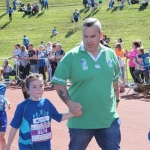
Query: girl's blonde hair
(25, 85)
(1, 70)
(22, 48)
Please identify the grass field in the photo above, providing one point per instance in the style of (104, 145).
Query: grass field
(129, 23)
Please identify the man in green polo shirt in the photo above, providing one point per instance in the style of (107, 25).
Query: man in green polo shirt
(93, 71)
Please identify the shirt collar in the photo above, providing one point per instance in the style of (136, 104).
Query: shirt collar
(102, 48)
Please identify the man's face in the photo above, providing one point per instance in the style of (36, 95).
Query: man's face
(91, 38)
(30, 47)
(58, 47)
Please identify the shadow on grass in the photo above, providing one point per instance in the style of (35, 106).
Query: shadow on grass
(81, 10)
(70, 33)
(6, 24)
(95, 12)
(3, 15)
(86, 10)
(40, 14)
(88, 16)
(23, 15)
(114, 9)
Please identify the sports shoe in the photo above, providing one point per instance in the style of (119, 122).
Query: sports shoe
(135, 93)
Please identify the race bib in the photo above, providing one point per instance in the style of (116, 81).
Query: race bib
(41, 131)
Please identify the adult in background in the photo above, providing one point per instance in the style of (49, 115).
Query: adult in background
(76, 15)
(131, 55)
(92, 4)
(86, 66)
(59, 53)
(122, 5)
(85, 3)
(28, 9)
(7, 70)
(14, 5)
(26, 41)
(24, 63)
(32, 57)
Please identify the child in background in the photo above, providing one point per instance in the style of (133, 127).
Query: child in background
(54, 31)
(33, 117)
(100, 3)
(120, 54)
(10, 12)
(3, 115)
(49, 54)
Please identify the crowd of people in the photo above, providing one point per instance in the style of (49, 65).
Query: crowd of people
(28, 59)
(138, 60)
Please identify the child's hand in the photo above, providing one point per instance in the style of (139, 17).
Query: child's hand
(8, 105)
(79, 110)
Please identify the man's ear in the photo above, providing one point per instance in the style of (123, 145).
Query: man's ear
(101, 35)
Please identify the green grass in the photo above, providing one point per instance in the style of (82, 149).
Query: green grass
(130, 24)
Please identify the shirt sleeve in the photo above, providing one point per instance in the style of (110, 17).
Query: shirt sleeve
(62, 72)
(55, 114)
(18, 116)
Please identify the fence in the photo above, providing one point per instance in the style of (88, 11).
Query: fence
(16, 70)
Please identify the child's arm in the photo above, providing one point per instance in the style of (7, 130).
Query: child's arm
(11, 137)
(8, 103)
(67, 116)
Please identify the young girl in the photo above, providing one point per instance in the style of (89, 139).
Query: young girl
(120, 54)
(33, 117)
(3, 115)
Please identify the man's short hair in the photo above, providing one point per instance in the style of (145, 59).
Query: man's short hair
(59, 45)
(30, 44)
(92, 22)
(54, 44)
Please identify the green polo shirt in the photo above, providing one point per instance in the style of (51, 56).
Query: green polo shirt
(91, 85)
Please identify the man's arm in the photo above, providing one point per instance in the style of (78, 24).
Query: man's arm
(116, 88)
(74, 107)
(59, 57)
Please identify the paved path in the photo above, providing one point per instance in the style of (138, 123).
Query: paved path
(134, 112)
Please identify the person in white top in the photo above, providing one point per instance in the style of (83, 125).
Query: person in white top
(7, 70)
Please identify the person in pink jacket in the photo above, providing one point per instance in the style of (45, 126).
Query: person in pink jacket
(131, 55)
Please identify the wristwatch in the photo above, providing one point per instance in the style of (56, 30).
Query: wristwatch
(117, 100)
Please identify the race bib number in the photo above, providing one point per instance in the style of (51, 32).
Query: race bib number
(41, 132)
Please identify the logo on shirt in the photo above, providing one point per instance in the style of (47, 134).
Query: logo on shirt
(109, 62)
(84, 64)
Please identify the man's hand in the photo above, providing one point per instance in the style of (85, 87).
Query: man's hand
(75, 108)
